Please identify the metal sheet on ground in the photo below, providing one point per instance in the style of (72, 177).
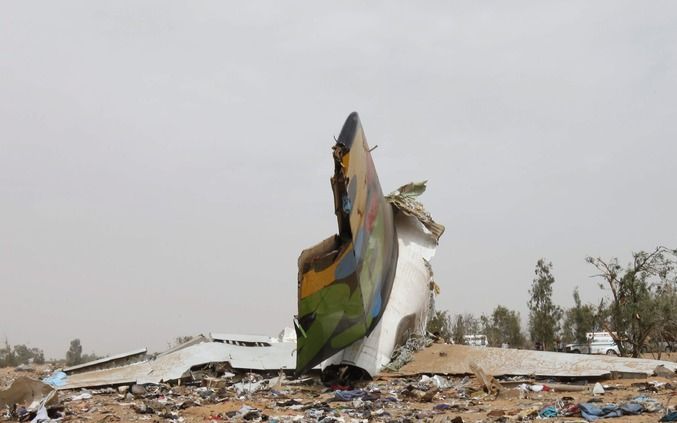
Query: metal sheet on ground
(172, 366)
(119, 359)
(456, 359)
(25, 390)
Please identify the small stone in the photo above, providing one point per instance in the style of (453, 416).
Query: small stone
(138, 390)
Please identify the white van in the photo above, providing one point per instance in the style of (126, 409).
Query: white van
(475, 340)
(598, 343)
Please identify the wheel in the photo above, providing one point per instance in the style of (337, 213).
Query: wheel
(611, 352)
(576, 351)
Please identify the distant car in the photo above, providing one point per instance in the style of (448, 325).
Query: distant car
(475, 340)
(600, 348)
(576, 348)
(598, 343)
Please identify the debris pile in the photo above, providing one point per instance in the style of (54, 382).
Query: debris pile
(217, 394)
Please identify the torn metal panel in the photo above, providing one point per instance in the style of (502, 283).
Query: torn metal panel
(286, 335)
(107, 362)
(346, 280)
(198, 339)
(404, 200)
(407, 310)
(28, 391)
(456, 359)
(243, 340)
(177, 364)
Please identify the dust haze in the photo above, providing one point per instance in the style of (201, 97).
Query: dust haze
(162, 164)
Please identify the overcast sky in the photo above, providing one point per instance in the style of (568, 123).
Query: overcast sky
(163, 163)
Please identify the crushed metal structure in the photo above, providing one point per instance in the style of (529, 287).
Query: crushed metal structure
(237, 352)
(364, 291)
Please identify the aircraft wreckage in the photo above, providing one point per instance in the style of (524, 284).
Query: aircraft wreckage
(365, 290)
(361, 293)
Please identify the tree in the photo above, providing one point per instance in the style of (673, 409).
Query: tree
(38, 356)
(464, 324)
(86, 358)
(544, 316)
(665, 334)
(503, 327)
(440, 325)
(25, 355)
(22, 354)
(74, 353)
(637, 293)
(581, 319)
(7, 357)
(458, 330)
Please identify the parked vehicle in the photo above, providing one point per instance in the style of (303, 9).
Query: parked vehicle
(476, 340)
(598, 343)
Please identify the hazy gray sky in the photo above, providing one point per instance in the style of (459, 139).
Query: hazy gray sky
(163, 163)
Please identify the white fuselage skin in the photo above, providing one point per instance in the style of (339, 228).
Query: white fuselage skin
(408, 306)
